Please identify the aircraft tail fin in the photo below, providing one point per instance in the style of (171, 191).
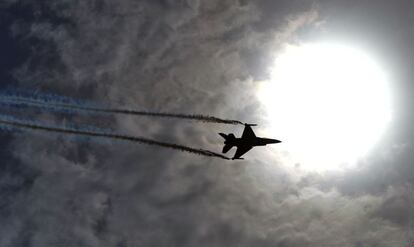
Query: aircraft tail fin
(228, 143)
(228, 137)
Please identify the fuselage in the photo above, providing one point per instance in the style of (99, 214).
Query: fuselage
(257, 141)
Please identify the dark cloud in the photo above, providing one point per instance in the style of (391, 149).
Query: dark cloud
(193, 57)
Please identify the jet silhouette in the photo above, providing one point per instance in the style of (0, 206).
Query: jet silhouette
(247, 141)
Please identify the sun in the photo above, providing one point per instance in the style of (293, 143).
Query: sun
(328, 103)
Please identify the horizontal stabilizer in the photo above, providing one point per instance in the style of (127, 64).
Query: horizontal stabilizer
(226, 148)
(223, 135)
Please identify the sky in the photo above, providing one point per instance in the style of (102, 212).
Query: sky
(201, 57)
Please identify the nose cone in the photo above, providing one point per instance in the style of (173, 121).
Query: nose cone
(275, 141)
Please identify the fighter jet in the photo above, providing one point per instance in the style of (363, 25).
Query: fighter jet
(247, 141)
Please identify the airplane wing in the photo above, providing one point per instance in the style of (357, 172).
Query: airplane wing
(242, 150)
(248, 133)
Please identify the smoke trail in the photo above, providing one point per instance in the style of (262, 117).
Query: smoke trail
(52, 104)
(45, 97)
(33, 126)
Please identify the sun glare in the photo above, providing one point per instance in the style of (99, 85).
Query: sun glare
(329, 104)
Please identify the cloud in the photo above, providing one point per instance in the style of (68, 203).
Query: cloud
(182, 56)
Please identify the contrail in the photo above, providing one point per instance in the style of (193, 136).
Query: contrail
(33, 126)
(51, 104)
